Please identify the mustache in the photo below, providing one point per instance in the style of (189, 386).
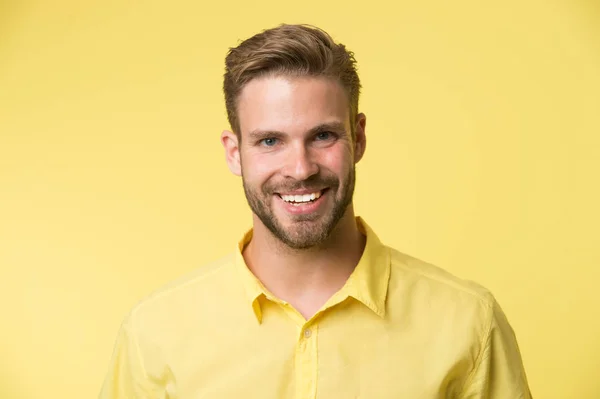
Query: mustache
(314, 183)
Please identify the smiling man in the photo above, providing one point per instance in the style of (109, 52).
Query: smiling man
(311, 304)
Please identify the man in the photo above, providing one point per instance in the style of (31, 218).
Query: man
(311, 304)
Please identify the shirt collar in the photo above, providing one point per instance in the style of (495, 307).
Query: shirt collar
(368, 283)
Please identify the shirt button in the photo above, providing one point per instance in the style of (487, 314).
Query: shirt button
(307, 333)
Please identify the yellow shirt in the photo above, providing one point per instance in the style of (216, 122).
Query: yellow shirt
(399, 328)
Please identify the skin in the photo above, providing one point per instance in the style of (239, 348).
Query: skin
(296, 139)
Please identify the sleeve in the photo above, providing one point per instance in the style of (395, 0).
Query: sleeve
(127, 376)
(498, 371)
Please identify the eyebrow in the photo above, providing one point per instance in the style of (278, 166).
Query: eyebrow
(336, 127)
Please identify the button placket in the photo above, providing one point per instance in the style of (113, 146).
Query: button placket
(306, 363)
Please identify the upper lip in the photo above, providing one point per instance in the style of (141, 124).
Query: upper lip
(301, 192)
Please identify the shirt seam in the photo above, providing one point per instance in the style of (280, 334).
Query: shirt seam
(483, 298)
(483, 345)
(159, 293)
(137, 349)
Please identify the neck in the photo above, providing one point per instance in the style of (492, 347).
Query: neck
(306, 278)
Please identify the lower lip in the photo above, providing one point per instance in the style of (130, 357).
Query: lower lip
(303, 208)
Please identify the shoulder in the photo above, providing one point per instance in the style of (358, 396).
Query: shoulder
(185, 294)
(441, 306)
(436, 285)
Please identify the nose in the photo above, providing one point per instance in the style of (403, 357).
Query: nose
(300, 164)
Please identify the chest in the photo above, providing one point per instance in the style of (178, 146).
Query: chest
(321, 363)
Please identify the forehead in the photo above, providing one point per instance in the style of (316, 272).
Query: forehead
(291, 104)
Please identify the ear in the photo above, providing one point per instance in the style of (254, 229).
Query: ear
(232, 152)
(360, 140)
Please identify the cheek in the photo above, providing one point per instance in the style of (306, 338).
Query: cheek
(258, 168)
(337, 161)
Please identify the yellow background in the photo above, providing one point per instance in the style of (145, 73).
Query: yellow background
(483, 158)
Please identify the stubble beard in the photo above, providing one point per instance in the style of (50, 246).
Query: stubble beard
(307, 231)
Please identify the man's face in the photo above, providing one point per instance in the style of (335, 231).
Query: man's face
(297, 156)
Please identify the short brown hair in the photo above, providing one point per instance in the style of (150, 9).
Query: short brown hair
(294, 50)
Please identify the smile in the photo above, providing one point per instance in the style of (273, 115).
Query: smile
(301, 198)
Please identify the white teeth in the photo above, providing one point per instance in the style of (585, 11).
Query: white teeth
(301, 198)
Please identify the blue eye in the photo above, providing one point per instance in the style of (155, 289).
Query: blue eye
(269, 141)
(323, 136)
